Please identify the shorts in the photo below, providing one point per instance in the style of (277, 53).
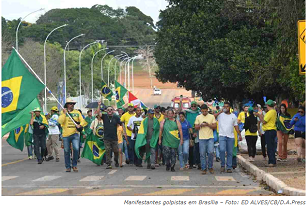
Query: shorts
(120, 146)
(299, 134)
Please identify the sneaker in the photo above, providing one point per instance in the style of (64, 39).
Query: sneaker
(78, 161)
(167, 168)
(199, 167)
(68, 170)
(203, 172)
(222, 169)
(50, 158)
(229, 171)
(252, 159)
(194, 166)
(109, 167)
(75, 169)
(127, 161)
(217, 159)
(211, 171)
(40, 162)
(284, 160)
(30, 157)
(279, 159)
(152, 166)
(172, 169)
(57, 159)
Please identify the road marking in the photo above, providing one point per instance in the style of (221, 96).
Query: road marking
(4, 178)
(46, 178)
(44, 191)
(113, 171)
(17, 161)
(180, 178)
(135, 178)
(168, 192)
(235, 192)
(105, 192)
(224, 178)
(91, 178)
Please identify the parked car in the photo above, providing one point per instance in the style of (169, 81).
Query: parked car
(157, 91)
(185, 102)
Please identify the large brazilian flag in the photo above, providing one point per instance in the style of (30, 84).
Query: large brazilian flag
(120, 92)
(142, 134)
(106, 92)
(94, 149)
(19, 87)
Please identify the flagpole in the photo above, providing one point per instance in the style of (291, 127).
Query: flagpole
(42, 83)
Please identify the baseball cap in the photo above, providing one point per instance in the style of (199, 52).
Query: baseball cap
(194, 103)
(151, 111)
(156, 106)
(270, 103)
(251, 109)
(130, 104)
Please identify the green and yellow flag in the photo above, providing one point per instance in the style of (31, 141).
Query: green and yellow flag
(120, 92)
(22, 118)
(19, 87)
(106, 92)
(171, 134)
(17, 137)
(94, 149)
(142, 134)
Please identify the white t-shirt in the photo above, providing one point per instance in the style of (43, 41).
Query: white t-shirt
(134, 122)
(226, 123)
(53, 125)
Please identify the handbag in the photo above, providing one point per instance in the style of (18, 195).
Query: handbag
(78, 123)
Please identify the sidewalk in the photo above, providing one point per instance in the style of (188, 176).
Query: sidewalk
(287, 178)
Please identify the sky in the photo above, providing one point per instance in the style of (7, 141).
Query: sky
(14, 9)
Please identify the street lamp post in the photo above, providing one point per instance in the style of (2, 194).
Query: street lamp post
(121, 69)
(45, 68)
(115, 66)
(80, 69)
(133, 84)
(110, 63)
(102, 73)
(92, 68)
(64, 62)
(125, 69)
(20, 23)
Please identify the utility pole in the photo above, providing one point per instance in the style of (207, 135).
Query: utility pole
(148, 63)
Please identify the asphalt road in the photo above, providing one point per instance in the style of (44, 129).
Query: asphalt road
(21, 176)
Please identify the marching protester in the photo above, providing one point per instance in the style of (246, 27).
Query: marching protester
(282, 133)
(269, 126)
(159, 115)
(227, 122)
(133, 126)
(183, 149)
(299, 122)
(205, 123)
(147, 139)
(70, 133)
(40, 131)
(54, 132)
(97, 128)
(121, 135)
(89, 119)
(170, 130)
(261, 132)
(125, 140)
(251, 133)
(131, 146)
(111, 122)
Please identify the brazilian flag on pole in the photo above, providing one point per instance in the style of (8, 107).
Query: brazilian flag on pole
(94, 149)
(17, 137)
(106, 92)
(120, 92)
(19, 87)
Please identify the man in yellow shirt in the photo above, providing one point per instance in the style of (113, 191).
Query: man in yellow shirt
(269, 126)
(131, 146)
(206, 123)
(70, 133)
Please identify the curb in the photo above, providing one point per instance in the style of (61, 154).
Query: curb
(270, 180)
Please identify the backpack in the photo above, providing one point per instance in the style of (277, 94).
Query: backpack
(253, 128)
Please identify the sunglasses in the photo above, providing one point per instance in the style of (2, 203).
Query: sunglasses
(70, 103)
(109, 110)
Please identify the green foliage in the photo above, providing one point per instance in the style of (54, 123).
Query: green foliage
(231, 49)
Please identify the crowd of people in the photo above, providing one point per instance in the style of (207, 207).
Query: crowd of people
(161, 136)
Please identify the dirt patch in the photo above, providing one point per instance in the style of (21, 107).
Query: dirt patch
(291, 172)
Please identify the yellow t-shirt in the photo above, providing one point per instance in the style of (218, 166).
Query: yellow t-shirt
(205, 132)
(125, 118)
(160, 118)
(120, 134)
(68, 126)
(241, 116)
(270, 119)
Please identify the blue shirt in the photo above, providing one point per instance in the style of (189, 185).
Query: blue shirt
(185, 128)
(300, 125)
